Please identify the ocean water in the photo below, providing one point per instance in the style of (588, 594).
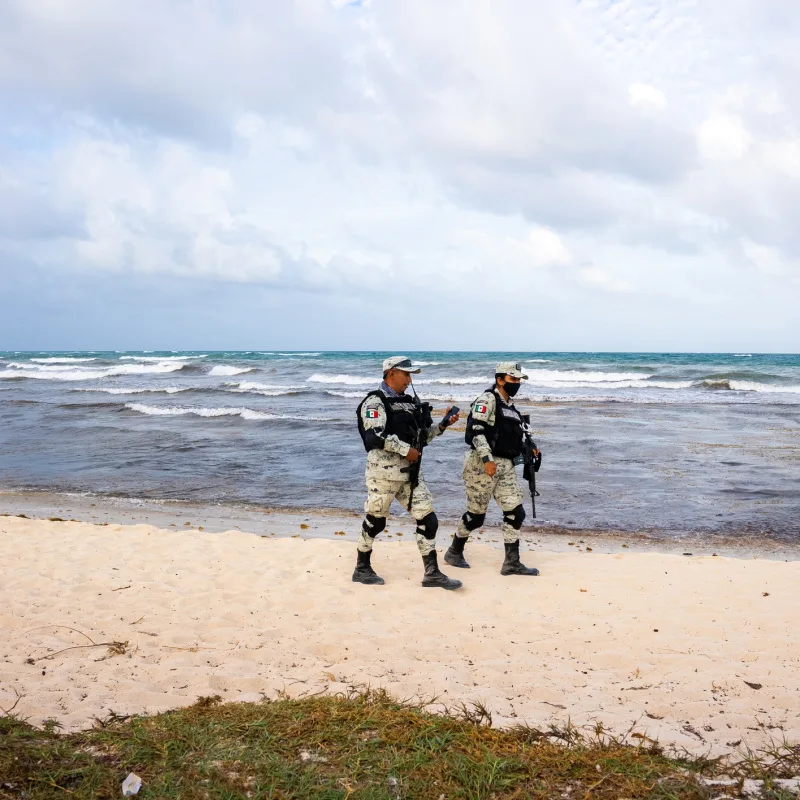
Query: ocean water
(663, 443)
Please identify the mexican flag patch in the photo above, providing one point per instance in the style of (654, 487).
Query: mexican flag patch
(372, 413)
(480, 408)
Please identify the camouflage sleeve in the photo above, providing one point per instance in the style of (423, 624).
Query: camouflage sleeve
(373, 418)
(433, 432)
(483, 411)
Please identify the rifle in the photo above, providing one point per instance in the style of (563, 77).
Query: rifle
(422, 412)
(532, 459)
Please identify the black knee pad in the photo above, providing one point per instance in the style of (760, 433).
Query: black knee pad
(428, 525)
(373, 525)
(473, 521)
(514, 517)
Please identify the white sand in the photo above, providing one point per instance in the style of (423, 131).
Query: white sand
(240, 615)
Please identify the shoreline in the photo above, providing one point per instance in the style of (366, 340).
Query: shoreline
(701, 653)
(337, 523)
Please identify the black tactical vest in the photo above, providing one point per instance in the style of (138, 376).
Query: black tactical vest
(505, 436)
(404, 418)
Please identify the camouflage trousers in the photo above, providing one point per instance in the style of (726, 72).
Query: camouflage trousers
(481, 488)
(380, 493)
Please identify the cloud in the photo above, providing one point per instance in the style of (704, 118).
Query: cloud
(640, 153)
(646, 97)
(723, 137)
(547, 248)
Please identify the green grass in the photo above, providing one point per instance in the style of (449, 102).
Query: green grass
(365, 746)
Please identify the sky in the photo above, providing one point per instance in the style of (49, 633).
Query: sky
(400, 174)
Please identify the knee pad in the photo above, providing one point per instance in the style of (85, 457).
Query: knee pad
(473, 521)
(514, 517)
(428, 525)
(372, 526)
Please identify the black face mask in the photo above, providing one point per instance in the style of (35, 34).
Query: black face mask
(511, 388)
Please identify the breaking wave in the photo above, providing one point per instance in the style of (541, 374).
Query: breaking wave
(244, 413)
(139, 390)
(575, 375)
(224, 369)
(472, 379)
(347, 380)
(265, 389)
(63, 360)
(160, 358)
(59, 373)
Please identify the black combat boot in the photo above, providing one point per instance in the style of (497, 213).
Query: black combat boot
(364, 573)
(512, 565)
(433, 577)
(455, 553)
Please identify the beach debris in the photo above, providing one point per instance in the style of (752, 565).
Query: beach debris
(303, 526)
(765, 594)
(339, 533)
(131, 785)
(721, 780)
(394, 786)
(754, 685)
(688, 554)
(584, 590)
(690, 729)
(312, 756)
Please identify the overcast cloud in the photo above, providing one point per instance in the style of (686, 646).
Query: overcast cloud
(471, 174)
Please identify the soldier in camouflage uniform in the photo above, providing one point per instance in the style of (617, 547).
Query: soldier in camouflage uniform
(389, 421)
(495, 432)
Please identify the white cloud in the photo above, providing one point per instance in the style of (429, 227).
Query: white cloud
(723, 137)
(602, 278)
(647, 97)
(337, 146)
(546, 247)
(767, 259)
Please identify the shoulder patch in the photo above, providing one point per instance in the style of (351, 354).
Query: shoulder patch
(372, 413)
(480, 408)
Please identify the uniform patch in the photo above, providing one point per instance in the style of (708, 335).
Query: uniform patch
(480, 408)
(372, 413)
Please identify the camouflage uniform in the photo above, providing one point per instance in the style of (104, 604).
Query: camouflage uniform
(495, 432)
(481, 487)
(386, 481)
(388, 421)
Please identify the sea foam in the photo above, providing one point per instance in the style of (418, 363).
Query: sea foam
(224, 369)
(244, 413)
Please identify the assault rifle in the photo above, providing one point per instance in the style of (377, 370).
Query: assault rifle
(422, 413)
(532, 460)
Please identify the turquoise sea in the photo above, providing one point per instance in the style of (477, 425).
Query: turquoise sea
(664, 443)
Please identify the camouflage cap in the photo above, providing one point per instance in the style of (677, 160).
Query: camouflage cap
(399, 362)
(510, 368)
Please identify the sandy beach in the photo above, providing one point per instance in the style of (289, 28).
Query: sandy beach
(701, 652)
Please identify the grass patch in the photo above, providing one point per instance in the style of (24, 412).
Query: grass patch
(365, 745)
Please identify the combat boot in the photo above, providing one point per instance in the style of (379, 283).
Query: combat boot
(364, 573)
(455, 553)
(512, 565)
(433, 577)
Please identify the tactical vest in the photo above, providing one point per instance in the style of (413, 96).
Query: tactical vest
(404, 418)
(505, 436)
